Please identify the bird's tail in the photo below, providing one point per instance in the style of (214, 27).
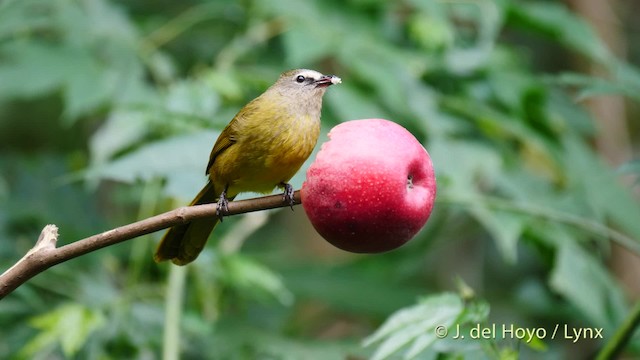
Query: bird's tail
(183, 243)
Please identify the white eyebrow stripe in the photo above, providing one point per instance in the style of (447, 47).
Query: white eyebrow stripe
(310, 74)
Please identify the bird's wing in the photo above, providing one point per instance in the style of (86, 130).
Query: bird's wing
(225, 140)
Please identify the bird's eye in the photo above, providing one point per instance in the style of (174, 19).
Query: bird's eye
(300, 79)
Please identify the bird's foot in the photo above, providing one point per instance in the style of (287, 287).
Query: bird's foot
(288, 195)
(223, 205)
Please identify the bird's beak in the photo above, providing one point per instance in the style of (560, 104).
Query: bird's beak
(327, 80)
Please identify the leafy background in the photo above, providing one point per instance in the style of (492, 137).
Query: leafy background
(108, 110)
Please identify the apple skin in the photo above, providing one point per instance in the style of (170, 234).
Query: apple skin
(371, 187)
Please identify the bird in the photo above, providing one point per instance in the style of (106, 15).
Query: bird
(260, 149)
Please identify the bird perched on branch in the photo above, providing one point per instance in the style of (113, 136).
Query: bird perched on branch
(262, 147)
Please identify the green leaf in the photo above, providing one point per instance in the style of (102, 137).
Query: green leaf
(591, 86)
(17, 17)
(486, 18)
(351, 104)
(180, 159)
(121, 130)
(24, 60)
(86, 87)
(431, 32)
(344, 287)
(192, 97)
(464, 164)
(185, 103)
(555, 20)
(84, 50)
(69, 326)
(628, 76)
(235, 339)
(475, 312)
(622, 79)
(254, 279)
(297, 44)
(320, 29)
(599, 187)
(416, 325)
(584, 282)
(73, 70)
(506, 228)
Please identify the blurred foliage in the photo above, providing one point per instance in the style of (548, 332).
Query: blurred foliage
(108, 110)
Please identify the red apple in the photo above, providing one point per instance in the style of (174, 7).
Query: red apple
(371, 187)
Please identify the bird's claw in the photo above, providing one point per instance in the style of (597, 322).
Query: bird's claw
(223, 205)
(288, 195)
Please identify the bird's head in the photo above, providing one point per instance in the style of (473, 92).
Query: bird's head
(298, 92)
(304, 84)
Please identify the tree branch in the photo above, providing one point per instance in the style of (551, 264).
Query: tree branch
(45, 254)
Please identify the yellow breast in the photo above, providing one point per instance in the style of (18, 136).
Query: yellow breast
(268, 150)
